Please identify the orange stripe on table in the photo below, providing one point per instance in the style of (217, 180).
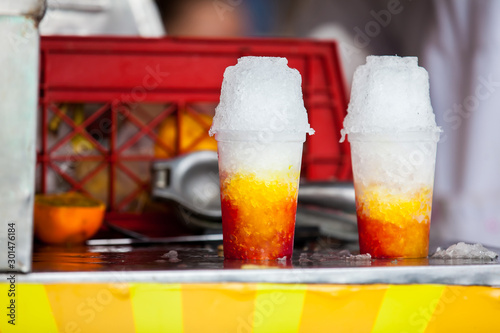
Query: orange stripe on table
(218, 307)
(91, 308)
(466, 309)
(341, 308)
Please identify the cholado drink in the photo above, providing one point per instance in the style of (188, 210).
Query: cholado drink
(393, 135)
(260, 126)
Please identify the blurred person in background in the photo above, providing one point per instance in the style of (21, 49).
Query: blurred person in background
(457, 42)
(461, 55)
(204, 18)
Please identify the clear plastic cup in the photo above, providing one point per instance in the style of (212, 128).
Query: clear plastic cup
(393, 181)
(259, 178)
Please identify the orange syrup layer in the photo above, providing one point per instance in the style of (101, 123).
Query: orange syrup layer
(393, 225)
(258, 215)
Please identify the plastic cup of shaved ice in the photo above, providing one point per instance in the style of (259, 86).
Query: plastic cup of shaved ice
(393, 136)
(260, 126)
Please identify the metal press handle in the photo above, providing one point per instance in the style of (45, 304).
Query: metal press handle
(169, 178)
(335, 195)
(163, 173)
(161, 178)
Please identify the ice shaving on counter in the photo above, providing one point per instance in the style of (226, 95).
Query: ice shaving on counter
(465, 251)
(334, 255)
(260, 125)
(390, 121)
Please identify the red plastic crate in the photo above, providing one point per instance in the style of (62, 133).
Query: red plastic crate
(114, 74)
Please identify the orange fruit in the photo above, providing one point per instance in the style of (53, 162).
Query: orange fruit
(67, 218)
(193, 135)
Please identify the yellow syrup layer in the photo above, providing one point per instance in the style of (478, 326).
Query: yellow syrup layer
(258, 214)
(379, 203)
(257, 191)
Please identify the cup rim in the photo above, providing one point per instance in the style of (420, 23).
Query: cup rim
(263, 136)
(401, 136)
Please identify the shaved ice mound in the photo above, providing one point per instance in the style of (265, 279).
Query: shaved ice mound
(261, 94)
(389, 94)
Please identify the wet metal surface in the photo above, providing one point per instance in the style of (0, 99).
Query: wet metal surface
(204, 264)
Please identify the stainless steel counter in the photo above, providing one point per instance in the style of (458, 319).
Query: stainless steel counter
(118, 264)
